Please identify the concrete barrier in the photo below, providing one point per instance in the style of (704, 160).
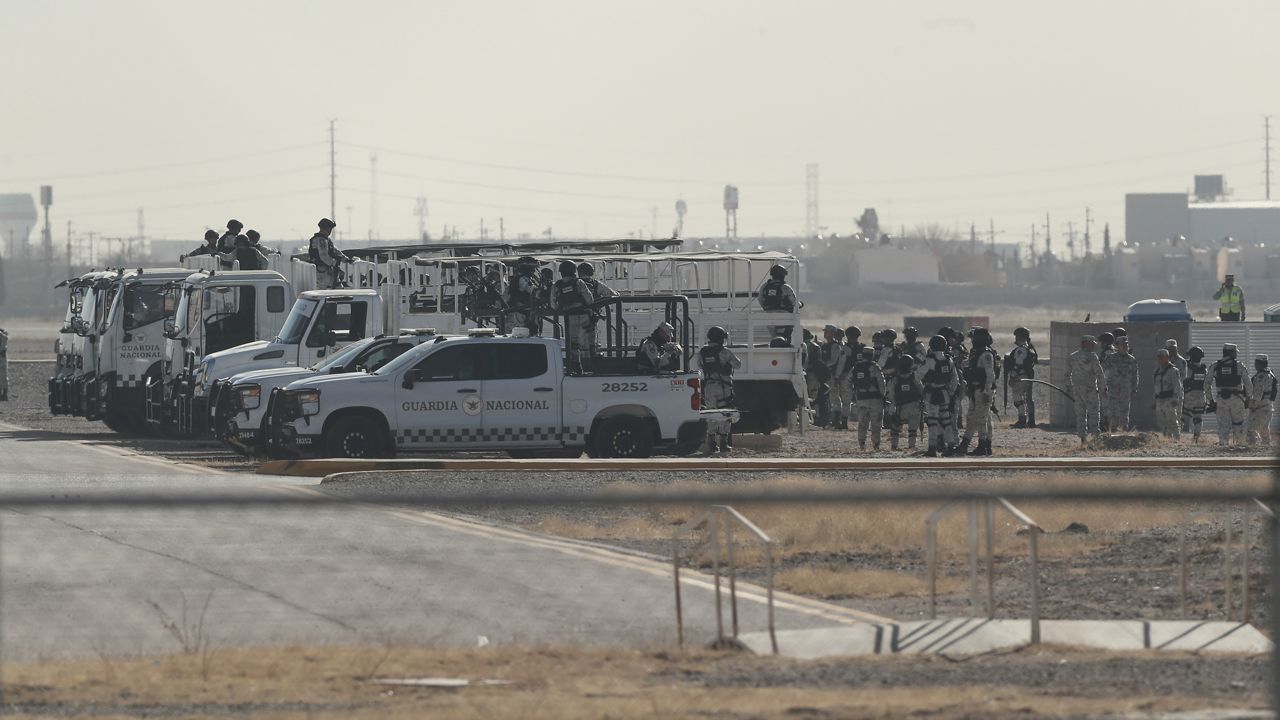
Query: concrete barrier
(325, 467)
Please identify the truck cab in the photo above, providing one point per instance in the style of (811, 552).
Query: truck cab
(214, 311)
(68, 348)
(244, 399)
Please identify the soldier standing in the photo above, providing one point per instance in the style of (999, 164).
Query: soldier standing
(4, 365)
(867, 383)
(322, 253)
(960, 354)
(1022, 366)
(1264, 388)
(248, 254)
(520, 297)
(570, 298)
(1085, 379)
(816, 379)
(940, 386)
(1232, 387)
(717, 363)
(835, 355)
(226, 249)
(1194, 397)
(1120, 373)
(777, 296)
(1105, 342)
(912, 345)
(599, 291)
(980, 383)
(1231, 299)
(905, 393)
(1167, 385)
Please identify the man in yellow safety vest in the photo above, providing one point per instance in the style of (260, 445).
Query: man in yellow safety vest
(1231, 297)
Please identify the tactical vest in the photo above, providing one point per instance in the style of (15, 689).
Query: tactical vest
(940, 374)
(1226, 374)
(521, 291)
(905, 390)
(567, 294)
(1196, 376)
(975, 376)
(712, 367)
(1159, 374)
(1266, 376)
(864, 380)
(772, 297)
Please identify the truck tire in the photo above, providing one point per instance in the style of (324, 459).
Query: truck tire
(622, 437)
(354, 437)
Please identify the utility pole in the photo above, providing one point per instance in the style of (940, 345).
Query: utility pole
(1048, 236)
(333, 174)
(991, 233)
(1033, 241)
(373, 197)
(1071, 239)
(1266, 152)
(502, 229)
(973, 239)
(1088, 220)
(420, 209)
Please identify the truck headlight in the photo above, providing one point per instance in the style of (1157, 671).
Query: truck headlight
(250, 396)
(308, 402)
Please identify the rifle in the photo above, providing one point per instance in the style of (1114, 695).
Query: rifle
(1055, 387)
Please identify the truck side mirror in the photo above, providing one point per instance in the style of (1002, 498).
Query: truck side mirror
(169, 327)
(410, 378)
(331, 338)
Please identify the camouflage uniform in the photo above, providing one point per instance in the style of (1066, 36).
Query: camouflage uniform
(1120, 370)
(1085, 379)
(941, 383)
(717, 363)
(905, 395)
(1264, 394)
(1194, 397)
(1168, 391)
(1231, 388)
(867, 383)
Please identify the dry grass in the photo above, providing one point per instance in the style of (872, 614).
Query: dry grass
(834, 583)
(332, 682)
(802, 530)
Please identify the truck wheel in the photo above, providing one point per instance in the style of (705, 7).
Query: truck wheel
(623, 437)
(353, 437)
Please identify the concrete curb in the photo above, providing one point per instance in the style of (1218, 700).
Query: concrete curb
(977, 636)
(322, 468)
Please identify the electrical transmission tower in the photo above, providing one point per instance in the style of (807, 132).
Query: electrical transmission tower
(811, 224)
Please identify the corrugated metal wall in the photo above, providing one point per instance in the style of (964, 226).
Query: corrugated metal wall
(1144, 338)
(1251, 337)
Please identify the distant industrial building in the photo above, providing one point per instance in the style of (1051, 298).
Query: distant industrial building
(17, 219)
(1204, 217)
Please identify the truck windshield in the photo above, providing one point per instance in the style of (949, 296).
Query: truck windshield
(88, 309)
(296, 324)
(182, 317)
(345, 355)
(406, 360)
(143, 305)
(75, 298)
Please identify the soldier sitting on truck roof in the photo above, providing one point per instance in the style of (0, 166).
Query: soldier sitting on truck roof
(210, 246)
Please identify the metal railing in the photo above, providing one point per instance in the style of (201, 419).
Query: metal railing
(983, 505)
(718, 519)
(1244, 513)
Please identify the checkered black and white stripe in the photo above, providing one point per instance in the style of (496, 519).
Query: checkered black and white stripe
(480, 435)
(130, 381)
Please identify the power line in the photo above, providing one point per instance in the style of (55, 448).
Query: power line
(164, 166)
(195, 183)
(203, 203)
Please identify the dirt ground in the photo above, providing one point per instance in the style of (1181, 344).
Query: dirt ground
(566, 683)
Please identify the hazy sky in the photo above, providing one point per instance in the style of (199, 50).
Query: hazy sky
(581, 116)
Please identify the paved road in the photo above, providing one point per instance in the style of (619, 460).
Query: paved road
(83, 581)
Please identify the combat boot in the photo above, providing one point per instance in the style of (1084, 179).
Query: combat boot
(711, 448)
(986, 448)
(958, 449)
(1022, 422)
(893, 444)
(931, 451)
(977, 450)
(1031, 418)
(911, 443)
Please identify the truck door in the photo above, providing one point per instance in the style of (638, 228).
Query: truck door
(521, 398)
(230, 317)
(337, 323)
(444, 408)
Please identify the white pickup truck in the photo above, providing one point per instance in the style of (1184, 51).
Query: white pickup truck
(489, 392)
(238, 416)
